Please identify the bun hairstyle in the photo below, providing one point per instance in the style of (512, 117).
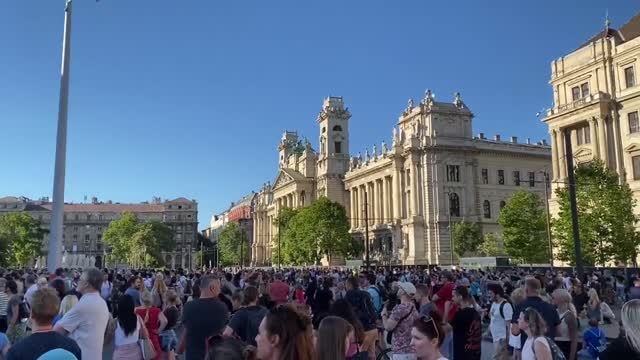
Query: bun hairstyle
(294, 330)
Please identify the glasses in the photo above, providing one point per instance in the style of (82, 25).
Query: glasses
(428, 319)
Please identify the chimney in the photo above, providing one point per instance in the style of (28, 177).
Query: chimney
(514, 139)
(481, 135)
(528, 141)
(497, 138)
(94, 200)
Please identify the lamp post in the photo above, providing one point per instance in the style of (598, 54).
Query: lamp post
(366, 231)
(449, 225)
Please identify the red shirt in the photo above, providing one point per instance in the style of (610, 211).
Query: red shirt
(444, 294)
(279, 292)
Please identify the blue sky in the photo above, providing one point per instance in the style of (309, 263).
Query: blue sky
(190, 98)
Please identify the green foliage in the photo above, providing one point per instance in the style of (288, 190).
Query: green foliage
(490, 246)
(605, 218)
(20, 239)
(321, 229)
(138, 243)
(524, 233)
(229, 242)
(466, 237)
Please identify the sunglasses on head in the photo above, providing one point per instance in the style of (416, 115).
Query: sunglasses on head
(428, 319)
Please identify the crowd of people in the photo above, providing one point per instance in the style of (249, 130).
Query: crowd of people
(317, 314)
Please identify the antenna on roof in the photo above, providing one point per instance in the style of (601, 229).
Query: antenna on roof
(607, 22)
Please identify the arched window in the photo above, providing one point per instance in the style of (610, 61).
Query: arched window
(337, 128)
(486, 206)
(302, 196)
(454, 204)
(502, 204)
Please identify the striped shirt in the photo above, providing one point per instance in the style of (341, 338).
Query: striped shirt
(4, 300)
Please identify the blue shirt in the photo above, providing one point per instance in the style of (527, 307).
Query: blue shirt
(4, 341)
(135, 294)
(375, 296)
(594, 338)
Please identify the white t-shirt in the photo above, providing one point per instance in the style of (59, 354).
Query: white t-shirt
(527, 348)
(122, 339)
(498, 325)
(30, 291)
(86, 323)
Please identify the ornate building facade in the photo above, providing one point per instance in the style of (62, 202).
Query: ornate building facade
(433, 173)
(84, 224)
(596, 99)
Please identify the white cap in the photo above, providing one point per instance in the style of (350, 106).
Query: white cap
(407, 287)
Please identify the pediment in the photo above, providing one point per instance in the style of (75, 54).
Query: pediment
(633, 147)
(282, 179)
(583, 152)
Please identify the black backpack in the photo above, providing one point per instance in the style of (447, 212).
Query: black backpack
(369, 309)
(23, 310)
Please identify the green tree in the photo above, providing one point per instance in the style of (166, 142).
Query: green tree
(229, 242)
(21, 238)
(605, 218)
(490, 246)
(119, 236)
(524, 234)
(466, 237)
(282, 221)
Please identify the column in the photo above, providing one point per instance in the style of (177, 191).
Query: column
(414, 188)
(602, 139)
(554, 155)
(397, 192)
(387, 198)
(381, 217)
(574, 139)
(352, 218)
(366, 195)
(594, 138)
(561, 159)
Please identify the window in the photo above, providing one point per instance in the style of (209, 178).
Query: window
(634, 126)
(501, 177)
(100, 217)
(77, 217)
(453, 173)
(575, 92)
(337, 128)
(485, 176)
(636, 167)
(516, 178)
(338, 147)
(86, 237)
(88, 217)
(584, 90)
(629, 77)
(75, 228)
(583, 135)
(99, 237)
(75, 237)
(408, 172)
(454, 204)
(532, 179)
(486, 206)
(99, 247)
(502, 204)
(580, 138)
(179, 206)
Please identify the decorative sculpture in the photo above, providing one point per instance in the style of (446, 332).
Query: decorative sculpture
(367, 157)
(428, 98)
(458, 101)
(384, 147)
(375, 151)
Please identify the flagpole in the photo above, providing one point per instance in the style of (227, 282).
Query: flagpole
(55, 237)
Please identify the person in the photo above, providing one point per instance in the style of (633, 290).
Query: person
(400, 322)
(626, 346)
(579, 297)
(427, 336)
(246, 321)
(517, 298)
(278, 290)
(445, 293)
(59, 287)
(5, 345)
(16, 328)
(159, 291)
(343, 309)
(323, 299)
(594, 341)
(593, 305)
(202, 318)
(135, 286)
(107, 289)
(536, 347)
(229, 349)
(168, 338)
(467, 327)
(369, 283)
(533, 300)
(31, 286)
(634, 291)
(567, 332)
(87, 320)
(425, 306)
(4, 301)
(44, 307)
(363, 307)
(154, 320)
(500, 314)
(334, 339)
(285, 334)
(66, 305)
(129, 329)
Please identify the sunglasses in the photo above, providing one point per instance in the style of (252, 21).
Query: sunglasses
(428, 319)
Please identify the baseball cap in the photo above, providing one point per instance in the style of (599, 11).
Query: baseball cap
(407, 287)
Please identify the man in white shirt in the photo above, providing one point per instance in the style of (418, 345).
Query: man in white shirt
(30, 284)
(87, 321)
(501, 313)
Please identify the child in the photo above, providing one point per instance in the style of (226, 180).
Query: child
(594, 341)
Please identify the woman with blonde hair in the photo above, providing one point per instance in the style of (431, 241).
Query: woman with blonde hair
(517, 298)
(335, 339)
(567, 332)
(68, 302)
(626, 346)
(536, 347)
(159, 291)
(593, 306)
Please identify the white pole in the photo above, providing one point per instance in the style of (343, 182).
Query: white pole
(55, 236)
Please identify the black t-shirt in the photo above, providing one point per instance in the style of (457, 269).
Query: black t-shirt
(203, 318)
(579, 301)
(172, 314)
(246, 321)
(467, 334)
(226, 301)
(546, 310)
(619, 349)
(34, 345)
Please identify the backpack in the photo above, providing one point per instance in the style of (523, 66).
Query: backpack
(382, 292)
(599, 347)
(504, 302)
(23, 310)
(556, 353)
(382, 295)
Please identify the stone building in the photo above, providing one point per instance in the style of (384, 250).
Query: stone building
(433, 173)
(597, 101)
(241, 212)
(84, 223)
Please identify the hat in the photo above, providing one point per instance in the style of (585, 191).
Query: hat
(407, 287)
(465, 282)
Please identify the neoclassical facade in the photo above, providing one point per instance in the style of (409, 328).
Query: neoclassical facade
(596, 99)
(433, 173)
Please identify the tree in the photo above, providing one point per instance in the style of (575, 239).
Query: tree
(119, 236)
(490, 246)
(524, 234)
(21, 238)
(282, 221)
(605, 217)
(321, 229)
(466, 237)
(229, 242)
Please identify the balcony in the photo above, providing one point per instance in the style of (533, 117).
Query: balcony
(582, 102)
